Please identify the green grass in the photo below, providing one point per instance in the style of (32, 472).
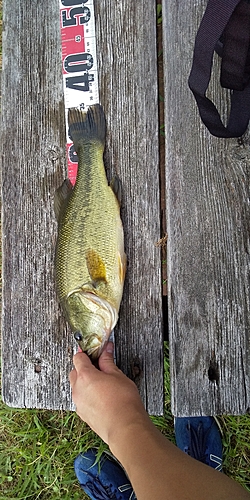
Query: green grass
(37, 449)
(236, 444)
(159, 13)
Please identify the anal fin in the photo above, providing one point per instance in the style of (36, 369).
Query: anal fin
(116, 187)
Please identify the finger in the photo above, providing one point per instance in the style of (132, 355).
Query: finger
(106, 360)
(81, 361)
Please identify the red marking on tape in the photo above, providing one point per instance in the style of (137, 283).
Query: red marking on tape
(79, 67)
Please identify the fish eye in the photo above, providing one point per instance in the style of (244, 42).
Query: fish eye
(78, 336)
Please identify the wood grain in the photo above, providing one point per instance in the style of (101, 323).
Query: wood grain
(37, 346)
(207, 182)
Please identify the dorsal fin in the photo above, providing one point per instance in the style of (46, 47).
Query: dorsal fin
(61, 197)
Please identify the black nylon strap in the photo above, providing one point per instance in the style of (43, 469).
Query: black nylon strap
(227, 21)
(235, 53)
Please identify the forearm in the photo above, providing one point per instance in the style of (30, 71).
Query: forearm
(158, 469)
(110, 404)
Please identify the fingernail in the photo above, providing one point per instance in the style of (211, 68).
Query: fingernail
(110, 348)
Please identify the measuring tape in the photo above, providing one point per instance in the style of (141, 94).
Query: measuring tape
(79, 65)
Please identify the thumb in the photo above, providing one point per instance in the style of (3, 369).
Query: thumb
(106, 360)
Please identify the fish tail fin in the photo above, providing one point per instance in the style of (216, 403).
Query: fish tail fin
(87, 126)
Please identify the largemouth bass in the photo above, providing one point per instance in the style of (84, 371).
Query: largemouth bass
(90, 258)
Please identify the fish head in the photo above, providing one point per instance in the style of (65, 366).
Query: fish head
(92, 319)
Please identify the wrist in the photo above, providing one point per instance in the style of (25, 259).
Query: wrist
(127, 438)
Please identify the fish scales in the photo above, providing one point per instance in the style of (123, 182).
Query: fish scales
(81, 221)
(90, 258)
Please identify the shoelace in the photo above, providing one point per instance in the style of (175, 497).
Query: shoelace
(197, 441)
(104, 493)
(99, 492)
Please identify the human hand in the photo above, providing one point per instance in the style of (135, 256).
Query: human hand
(105, 399)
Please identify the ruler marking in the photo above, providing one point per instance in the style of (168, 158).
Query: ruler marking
(79, 64)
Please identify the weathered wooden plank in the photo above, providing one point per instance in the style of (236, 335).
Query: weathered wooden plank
(128, 86)
(37, 347)
(207, 185)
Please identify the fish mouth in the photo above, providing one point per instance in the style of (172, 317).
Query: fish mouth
(93, 346)
(96, 345)
(95, 352)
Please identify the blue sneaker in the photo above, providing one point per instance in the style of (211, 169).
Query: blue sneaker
(200, 438)
(102, 480)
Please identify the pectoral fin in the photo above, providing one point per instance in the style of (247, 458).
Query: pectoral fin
(122, 266)
(96, 266)
(61, 197)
